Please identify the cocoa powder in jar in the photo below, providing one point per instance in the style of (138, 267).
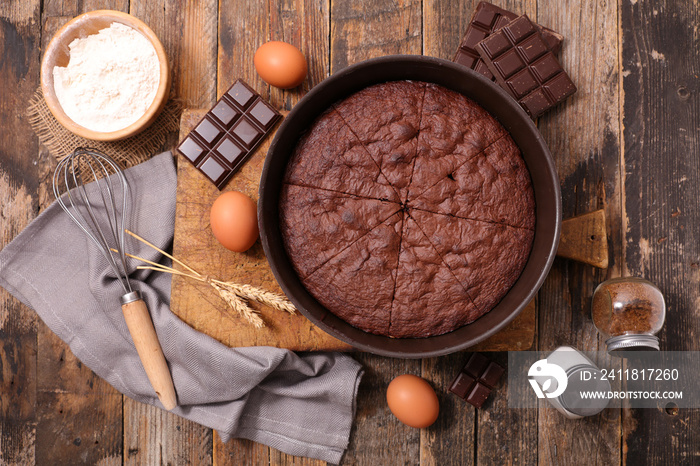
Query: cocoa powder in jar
(628, 306)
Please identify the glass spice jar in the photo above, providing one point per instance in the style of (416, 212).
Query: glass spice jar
(630, 311)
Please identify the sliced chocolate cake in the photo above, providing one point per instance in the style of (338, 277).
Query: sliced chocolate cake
(407, 210)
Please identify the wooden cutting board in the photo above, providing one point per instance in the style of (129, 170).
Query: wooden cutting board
(200, 305)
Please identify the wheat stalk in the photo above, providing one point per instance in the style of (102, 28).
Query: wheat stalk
(261, 296)
(234, 294)
(239, 305)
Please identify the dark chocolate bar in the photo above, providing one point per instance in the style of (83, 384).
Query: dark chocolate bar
(488, 18)
(477, 379)
(229, 133)
(519, 58)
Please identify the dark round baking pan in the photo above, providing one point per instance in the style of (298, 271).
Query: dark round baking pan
(499, 104)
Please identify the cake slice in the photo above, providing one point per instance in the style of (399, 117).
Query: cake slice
(316, 224)
(386, 118)
(330, 156)
(453, 130)
(358, 284)
(494, 186)
(486, 258)
(426, 286)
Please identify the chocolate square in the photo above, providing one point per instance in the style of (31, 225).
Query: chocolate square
(462, 384)
(263, 114)
(485, 16)
(509, 63)
(476, 35)
(497, 45)
(246, 132)
(213, 169)
(191, 149)
(492, 374)
(481, 68)
(559, 87)
(475, 365)
(229, 150)
(478, 395)
(535, 102)
(465, 59)
(520, 28)
(545, 68)
(225, 113)
(522, 83)
(241, 94)
(532, 48)
(209, 132)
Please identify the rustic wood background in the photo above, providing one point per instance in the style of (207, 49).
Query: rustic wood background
(628, 142)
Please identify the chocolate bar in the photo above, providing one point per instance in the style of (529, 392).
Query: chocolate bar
(487, 19)
(477, 379)
(229, 133)
(519, 58)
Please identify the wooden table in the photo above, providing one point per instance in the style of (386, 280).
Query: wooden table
(629, 142)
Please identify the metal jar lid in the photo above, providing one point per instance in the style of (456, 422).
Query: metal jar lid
(572, 400)
(632, 342)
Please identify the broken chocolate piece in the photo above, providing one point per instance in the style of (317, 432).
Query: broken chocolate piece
(487, 19)
(477, 379)
(229, 133)
(523, 65)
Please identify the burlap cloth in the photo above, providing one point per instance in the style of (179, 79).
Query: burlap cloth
(127, 152)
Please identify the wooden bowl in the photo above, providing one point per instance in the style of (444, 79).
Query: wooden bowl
(57, 54)
(545, 183)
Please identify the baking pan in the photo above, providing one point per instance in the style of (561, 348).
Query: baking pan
(487, 94)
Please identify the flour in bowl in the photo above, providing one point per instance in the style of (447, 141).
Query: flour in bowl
(111, 79)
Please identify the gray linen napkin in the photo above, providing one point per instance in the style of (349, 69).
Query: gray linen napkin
(301, 404)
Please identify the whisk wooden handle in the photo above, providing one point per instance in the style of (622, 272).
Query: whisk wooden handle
(147, 345)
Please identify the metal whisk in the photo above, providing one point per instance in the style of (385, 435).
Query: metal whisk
(101, 209)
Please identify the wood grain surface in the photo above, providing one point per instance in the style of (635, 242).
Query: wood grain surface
(19, 196)
(584, 136)
(661, 134)
(628, 142)
(188, 32)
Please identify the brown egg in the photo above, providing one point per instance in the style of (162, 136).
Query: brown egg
(280, 64)
(413, 401)
(234, 221)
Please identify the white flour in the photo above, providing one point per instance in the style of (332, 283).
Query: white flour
(111, 79)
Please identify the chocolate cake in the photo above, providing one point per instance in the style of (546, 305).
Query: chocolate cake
(407, 210)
